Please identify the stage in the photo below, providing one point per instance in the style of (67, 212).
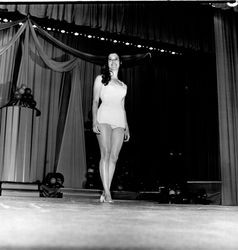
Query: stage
(75, 222)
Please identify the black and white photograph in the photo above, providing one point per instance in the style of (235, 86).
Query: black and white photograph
(119, 125)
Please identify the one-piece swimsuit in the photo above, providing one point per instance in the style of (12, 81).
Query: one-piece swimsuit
(111, 110)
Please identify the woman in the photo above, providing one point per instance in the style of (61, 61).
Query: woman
(109, 120)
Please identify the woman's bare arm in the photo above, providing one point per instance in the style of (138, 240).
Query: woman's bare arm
(96, 95)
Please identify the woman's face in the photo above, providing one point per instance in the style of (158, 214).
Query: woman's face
(113, 61)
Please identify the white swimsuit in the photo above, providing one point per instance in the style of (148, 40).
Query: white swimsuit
(111, 110)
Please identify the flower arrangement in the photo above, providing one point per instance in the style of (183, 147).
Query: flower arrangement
(23, 97)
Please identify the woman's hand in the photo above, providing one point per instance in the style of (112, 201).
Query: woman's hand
(96, 128)
(126, 134)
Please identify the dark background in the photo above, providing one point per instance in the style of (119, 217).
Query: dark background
(171, 105)
(172, 113)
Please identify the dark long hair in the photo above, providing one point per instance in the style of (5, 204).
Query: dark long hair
(105, 72)
(106, 76)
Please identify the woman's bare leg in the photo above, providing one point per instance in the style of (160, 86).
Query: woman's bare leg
(104, 140)
(117, 138)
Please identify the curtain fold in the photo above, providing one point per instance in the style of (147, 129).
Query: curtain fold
(88, 73)
(72, 156)
(7, 60)
(9, 43)
(226, 30)
(5, 47)
(54, 65)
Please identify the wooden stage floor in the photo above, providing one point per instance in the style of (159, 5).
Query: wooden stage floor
(84, 223)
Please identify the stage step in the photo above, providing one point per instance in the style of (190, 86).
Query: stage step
(95, 193)
(33, 190)
(8, 188)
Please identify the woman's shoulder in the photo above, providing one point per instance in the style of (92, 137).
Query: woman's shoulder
(98, 82)
(123, 84)
(98, 78)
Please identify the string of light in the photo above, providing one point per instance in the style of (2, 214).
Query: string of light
(225, 5)
(128, 43)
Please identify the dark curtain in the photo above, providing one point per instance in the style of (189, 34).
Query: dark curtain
(172, 106)
(178, 24)
(226, 29)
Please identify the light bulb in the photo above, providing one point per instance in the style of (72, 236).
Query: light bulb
(234, 4)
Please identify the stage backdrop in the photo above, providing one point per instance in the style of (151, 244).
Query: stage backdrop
(52, 71)
(94, 16)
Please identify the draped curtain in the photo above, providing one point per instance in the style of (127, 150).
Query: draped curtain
(9, 44)
(35, 71)
(226, 30)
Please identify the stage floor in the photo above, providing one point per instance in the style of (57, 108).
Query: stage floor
(84, 223)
